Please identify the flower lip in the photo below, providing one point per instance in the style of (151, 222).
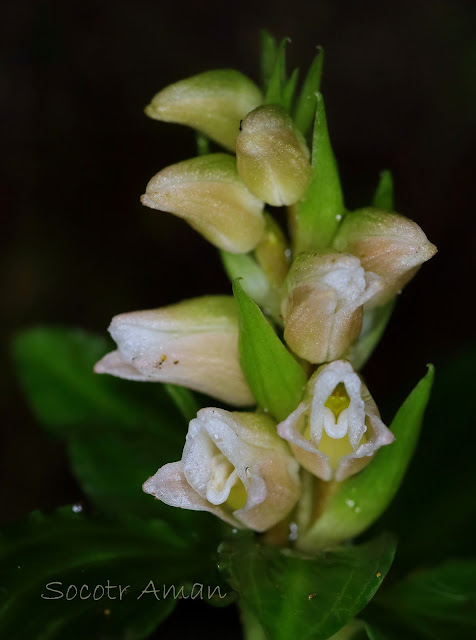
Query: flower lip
(332, 440)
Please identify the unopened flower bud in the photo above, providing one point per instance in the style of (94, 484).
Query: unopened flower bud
(233, 465)
(323, 308)
(210, 195)
(388, 244)
(212, 102)
(336, 430)
(193, 343)
(272, 156)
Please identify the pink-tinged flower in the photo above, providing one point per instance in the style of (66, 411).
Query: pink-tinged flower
(233, 465)
(193, 343)
(387, 244)
(337, 429)
(323, 307)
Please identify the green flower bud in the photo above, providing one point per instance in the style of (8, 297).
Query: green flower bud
(212, 102)
(387, 244)
(210, 195)
(272, 156)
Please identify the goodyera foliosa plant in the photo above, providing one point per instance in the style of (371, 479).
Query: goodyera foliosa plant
(284, 353)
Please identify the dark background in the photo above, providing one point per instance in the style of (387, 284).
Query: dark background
(77, 246)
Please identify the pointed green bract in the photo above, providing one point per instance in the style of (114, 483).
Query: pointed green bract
(253, 280)
(268, 56)
(322, 206)
(275, 377)
(289, 90)
(383, 197)
(358, 501)
(306, 104)
(277, 81)
(300, 596)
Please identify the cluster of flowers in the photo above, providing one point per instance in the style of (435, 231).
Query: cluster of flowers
(241, 465)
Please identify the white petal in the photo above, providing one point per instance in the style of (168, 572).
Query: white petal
(170, 486)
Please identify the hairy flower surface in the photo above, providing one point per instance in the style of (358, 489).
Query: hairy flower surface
(336, 430)
(388, 244)
(212, 102)
(323, 308)
(209, 194)
(193, 343)
(272, 156)
(233, 465)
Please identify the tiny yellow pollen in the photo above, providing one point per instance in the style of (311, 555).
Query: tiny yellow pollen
(311, 596)
(379, 575)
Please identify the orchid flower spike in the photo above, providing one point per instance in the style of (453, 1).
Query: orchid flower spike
(337, 429)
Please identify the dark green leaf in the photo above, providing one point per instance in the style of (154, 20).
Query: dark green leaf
(111, 468)
(319, 212)
(306, 104)
(361, 499)
(55, 367)
(70, 549)
(303, 596)
(383, 198)
(118, 432)
(275, 377)
(438, 603)
(437, 495)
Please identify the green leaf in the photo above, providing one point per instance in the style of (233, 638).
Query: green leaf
(374, 633)
(306, 104)
(55, 367)
(289, 90)
(358, 501)
(373, 326)
(303, 596)
(438, 492)
(277, 81)
(118, 432)
(436, 603)
(268, 56)
(275, 377)
(112, 467)
(69, 549)
(383, 198)
(319, 212)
